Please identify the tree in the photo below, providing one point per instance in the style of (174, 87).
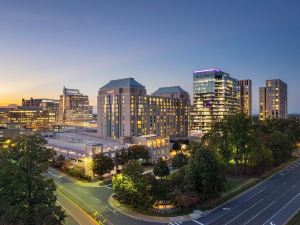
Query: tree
(131, 187)
(161, 169)
(176, 146)
(121, 157)
(281, 146)
(138, 152)
(232, 137)
(133, 169)
(179, 160)
(102, 164)
(26, 194)
(204, 173)
(59, 161)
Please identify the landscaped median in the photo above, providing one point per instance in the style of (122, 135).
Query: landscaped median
(236, 188)
(148, 218)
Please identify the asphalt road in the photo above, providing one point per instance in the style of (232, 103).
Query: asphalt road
(95, 201)
(75, 215)
(271, 202)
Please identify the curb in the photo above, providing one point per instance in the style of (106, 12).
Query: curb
(138, 216)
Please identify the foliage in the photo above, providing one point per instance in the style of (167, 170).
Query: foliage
(161, 169)
(121, 157)
(102, 164)
(205, 174)
(131, 187)
(179, 160)
(176, 146)
(78, 172)
(26, 195)
(59, 161)
(253, 146)
(133, 169)
(134, 152)
(281, 146)
(137, 152)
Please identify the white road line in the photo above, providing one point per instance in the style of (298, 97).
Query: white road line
(283, 207)
(195, 221)
(69, 213)
(259, 212)
(243, 212)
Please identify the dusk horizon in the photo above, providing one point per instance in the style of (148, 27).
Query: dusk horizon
(48, 45)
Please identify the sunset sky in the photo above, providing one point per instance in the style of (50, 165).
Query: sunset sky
(45, 45)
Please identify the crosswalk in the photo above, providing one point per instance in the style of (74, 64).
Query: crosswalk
(175, 223)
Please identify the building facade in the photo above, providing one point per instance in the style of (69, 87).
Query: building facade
(125, 110)
(32, 119)
(273, 100)
(74, 108)
(246, 96)
(215, 95)
(41, 103)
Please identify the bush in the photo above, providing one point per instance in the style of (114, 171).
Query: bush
(179, 160)
(78, 172)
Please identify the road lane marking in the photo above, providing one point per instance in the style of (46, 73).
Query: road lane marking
(259, 212)
(195, 221)
(69, 213)
(283, 207)
(80, 209)
(243, 212)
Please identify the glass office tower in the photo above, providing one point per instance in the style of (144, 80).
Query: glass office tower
(215, 95)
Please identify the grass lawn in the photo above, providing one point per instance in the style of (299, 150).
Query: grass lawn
(295, 220)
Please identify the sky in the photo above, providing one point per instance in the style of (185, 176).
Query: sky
(45, 45)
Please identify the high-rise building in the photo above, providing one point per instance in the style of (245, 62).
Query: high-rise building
(273, 100)
(246, 96)
(74, 108)
(125, 110)
(215, 95)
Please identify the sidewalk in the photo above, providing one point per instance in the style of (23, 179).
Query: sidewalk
(156, 219)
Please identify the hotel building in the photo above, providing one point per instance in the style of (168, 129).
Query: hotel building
(74, 108)
(215, 95)
(246, 96)
(125, 110)
(273, 100)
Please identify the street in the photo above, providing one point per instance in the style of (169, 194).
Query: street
(272, 202)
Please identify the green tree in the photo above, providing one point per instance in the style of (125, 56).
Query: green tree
(121, 157)
(138, 152)
(231, 137)
(59, 161)
(133, 169)
(26, 194)
(131, 187)
(179, 160)
(204, 173)
(102, 164)
(281, 146)
(161, 169)
(176, 146)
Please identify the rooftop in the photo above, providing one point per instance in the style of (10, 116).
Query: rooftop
(167, 90)
(123, 83)
(68, 91)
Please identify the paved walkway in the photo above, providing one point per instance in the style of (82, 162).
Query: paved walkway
(157, 219)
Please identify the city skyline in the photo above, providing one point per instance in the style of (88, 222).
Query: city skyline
(51, 44)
